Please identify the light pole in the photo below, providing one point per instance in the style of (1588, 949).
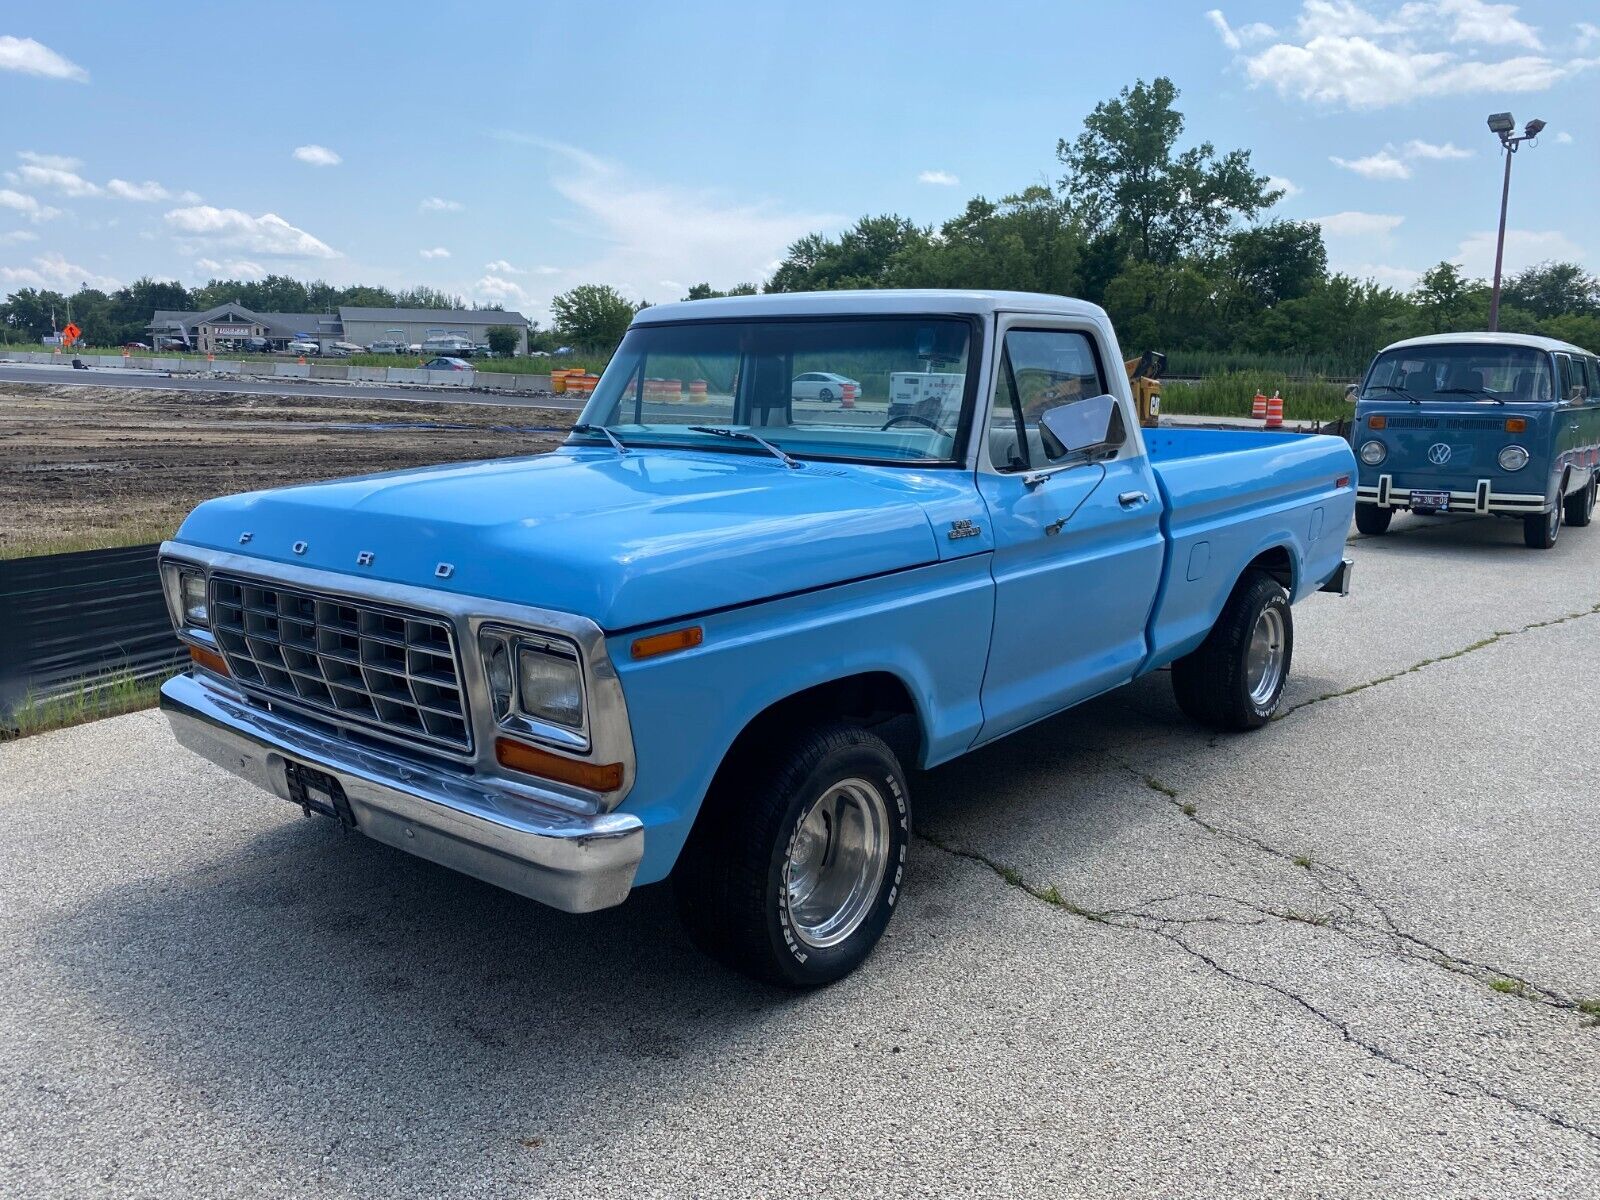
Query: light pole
(1502, 125)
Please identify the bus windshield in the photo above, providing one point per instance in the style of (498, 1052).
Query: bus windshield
(1461, 371)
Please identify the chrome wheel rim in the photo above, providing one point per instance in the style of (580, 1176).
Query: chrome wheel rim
(1264, 660)
(836, 862)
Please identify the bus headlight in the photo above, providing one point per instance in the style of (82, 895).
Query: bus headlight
(1373, 452)
(1513, 458)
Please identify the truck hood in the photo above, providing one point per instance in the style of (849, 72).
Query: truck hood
(626, 541)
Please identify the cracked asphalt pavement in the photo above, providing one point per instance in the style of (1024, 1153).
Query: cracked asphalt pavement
(1348, 955)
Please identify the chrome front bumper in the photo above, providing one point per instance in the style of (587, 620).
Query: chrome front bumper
(1482, 499)
(568, 860)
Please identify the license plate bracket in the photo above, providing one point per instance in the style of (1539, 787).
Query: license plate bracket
(1427, 499)
(317, 791)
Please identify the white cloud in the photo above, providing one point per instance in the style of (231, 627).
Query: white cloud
(1524, 248)
(54, 271)
(1382, 165)
(60, 162)
(1420, 149)
(267, 234)
(1563, 138)
(18, 235)
(652, 231)
(497, 287)
(501, 267)
(1344, 54)
(1288, 187)
(317, 156)
(440, 204)
(31, 58)
(57, 179)
(1358, 224)
(941, 178)
(149, 190)
(27, 205)
(1402, 279)
(436, 252)
(1588, 35)
(1235, 39)
(235, 268)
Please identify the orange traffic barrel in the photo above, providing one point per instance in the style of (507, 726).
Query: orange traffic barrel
(1275, 412)
(1258, 407)
(697, 391)
(849, 396)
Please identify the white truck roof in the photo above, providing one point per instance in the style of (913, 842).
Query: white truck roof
(920, 301)
(1530, 340)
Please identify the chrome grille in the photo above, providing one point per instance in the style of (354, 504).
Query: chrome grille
(386, 669)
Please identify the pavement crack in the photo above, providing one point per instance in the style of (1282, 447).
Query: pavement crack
(1171, 930)
(1480, 644)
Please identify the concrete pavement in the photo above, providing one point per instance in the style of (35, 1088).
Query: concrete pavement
(1340, 956)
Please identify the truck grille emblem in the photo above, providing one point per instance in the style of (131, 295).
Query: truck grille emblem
(444, 570)
(245, 537)
(364, 559)
(299, 547)
(1438, 454)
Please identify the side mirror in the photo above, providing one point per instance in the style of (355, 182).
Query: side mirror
(1084, 427)
(1351, 391)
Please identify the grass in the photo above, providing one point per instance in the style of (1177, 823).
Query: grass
(108, 695)
(140, 532)
(1231, 395)
(1302, 860)
(1337, 367)
(1506, 987)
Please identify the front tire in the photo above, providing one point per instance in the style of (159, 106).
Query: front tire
(1540, 530)
(825, 395)
(1372, 520)
(1580, 505)
(796, 861)
(1235, 678)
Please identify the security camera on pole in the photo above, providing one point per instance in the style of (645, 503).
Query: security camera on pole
(1502, 125)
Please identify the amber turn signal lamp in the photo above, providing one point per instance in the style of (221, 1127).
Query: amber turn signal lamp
(208, 660)
(530, 760)
(666, 643)
(1377, 421)
(1516, 424)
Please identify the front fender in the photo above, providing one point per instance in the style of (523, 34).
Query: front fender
(929, 627)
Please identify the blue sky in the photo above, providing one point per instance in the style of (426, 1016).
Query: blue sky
(509, 151)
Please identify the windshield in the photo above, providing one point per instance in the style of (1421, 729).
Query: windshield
(882, 389)
(1457, 371)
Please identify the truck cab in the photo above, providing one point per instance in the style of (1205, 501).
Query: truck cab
(709, 638)
(1494, 424)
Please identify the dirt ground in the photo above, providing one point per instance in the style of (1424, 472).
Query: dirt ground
(86, 466)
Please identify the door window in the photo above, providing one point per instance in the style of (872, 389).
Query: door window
(1040, 369)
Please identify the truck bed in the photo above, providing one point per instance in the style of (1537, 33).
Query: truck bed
(1231, 496)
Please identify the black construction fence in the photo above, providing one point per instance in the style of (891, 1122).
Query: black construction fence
(68, 620)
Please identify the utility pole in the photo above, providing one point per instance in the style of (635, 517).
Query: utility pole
(1502, 124)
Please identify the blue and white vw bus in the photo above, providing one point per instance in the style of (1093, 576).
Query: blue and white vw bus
(1497, 424)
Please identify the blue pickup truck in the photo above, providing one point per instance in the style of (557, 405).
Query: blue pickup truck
(708, 637)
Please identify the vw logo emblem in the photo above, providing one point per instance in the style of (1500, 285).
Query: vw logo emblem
(1438, 454)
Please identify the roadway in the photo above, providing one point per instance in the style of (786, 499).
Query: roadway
(1336, 957)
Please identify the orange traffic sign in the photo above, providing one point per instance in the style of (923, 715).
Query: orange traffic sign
(70, 333)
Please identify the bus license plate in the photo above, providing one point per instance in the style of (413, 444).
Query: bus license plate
(1439, 500)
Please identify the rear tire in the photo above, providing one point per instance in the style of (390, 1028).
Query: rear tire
(1234, 679)
(1540, 530)
(1372, 520)
(795, 863)
(1580, 505)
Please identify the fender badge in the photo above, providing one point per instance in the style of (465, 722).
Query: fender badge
(299, 547)
(364, 559)
(245, 537)
(962, 529)
(444, 570)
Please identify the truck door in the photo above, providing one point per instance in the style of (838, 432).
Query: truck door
(1078, 546)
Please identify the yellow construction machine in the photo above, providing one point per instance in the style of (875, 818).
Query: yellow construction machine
(1144, 375)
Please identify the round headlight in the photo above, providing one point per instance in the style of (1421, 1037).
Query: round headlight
(1513, 458)
(1373, 452)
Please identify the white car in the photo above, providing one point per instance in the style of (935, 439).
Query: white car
(821, 385)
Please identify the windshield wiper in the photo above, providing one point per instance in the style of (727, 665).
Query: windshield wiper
(1390, 387)
(794, 464)
(1468, 392)
(587, 427)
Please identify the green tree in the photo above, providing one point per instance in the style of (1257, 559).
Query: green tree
(1553, 288)
(1125, 181)
(704, 291)
(593, 314)
(1278, 261)
(1445, 299)
(863, 256)
(1026, 242)
(504, 339)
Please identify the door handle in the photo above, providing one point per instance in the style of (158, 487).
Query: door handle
(1032, 481)
(1130, 499)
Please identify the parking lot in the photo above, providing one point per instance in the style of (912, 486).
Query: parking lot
(1341, 956)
